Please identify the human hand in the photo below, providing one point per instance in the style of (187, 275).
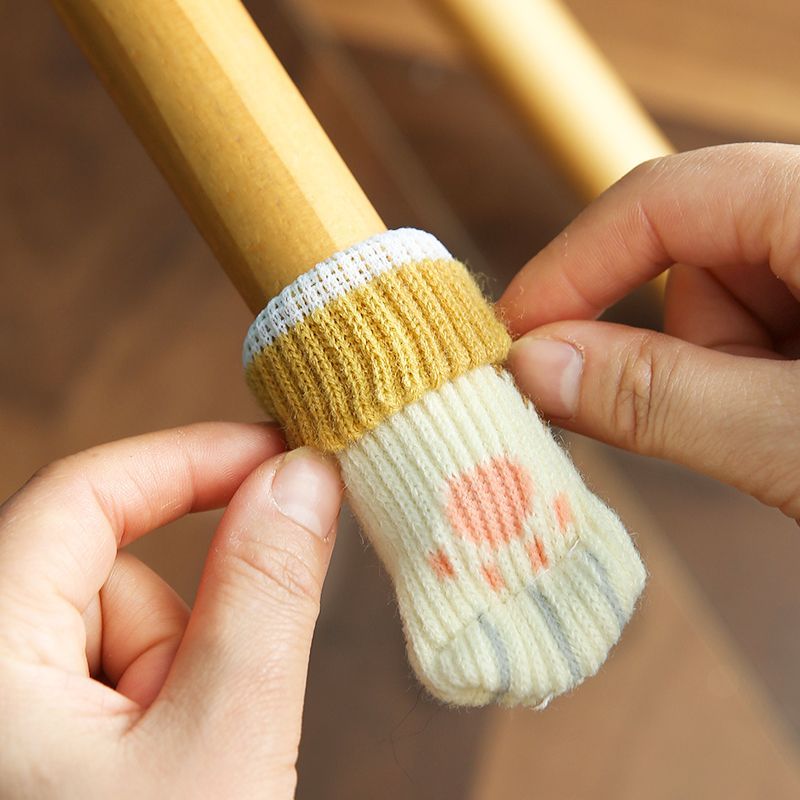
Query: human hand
(719, 391)
(109, 686)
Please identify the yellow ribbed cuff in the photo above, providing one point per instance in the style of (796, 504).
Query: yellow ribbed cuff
(337, 372)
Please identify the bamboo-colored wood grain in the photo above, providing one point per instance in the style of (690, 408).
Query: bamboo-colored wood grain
(561, 86)
(226, 125)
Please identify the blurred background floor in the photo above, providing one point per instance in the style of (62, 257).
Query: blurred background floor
(114, 320)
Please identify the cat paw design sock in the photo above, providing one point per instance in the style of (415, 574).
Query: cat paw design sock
(513, 579)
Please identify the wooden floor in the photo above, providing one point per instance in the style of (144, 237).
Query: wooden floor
(115, 320)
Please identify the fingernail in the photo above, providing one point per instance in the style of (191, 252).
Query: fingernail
(549, 372)
(308, 490)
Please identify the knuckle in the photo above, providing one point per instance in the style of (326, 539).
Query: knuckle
(650, 169)
(54, 470)
(278, 571)
(783, 218)
(639, 397)
(69, 478)
(66, 472)
(59, 476)
(775, 481)
(777, 487)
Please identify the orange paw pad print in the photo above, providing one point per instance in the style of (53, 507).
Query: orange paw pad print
(490, 502)
(563, 512)
(441, 565)
(493, 577)
(538, 555)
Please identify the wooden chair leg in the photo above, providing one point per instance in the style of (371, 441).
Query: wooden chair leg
(226, 125)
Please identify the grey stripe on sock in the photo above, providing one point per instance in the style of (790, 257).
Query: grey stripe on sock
(500, 654)
(606, 588)
(556, 630)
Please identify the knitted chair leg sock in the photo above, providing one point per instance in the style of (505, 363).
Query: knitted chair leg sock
(513, 579)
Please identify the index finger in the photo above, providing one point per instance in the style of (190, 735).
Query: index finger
(60, 533)
(714, 208)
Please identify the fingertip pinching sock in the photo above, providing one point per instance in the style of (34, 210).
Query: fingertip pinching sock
(513, 579)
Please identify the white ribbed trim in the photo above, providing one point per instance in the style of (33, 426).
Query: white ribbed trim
(341, 273)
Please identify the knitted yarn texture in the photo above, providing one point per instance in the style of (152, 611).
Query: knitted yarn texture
(513, 580)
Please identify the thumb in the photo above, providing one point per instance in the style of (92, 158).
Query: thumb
(239, 675)
(731, 417)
